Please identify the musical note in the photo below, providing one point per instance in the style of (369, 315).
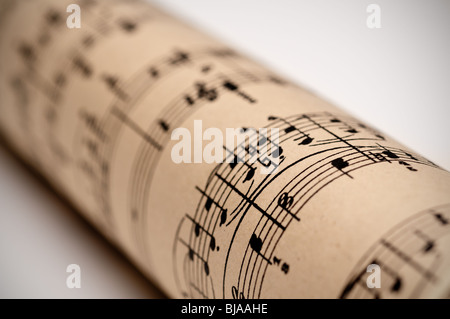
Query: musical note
(86, 70)
(112, 83)
(93, 108)
(441, 218)
(153, 72)
(128, 26)
(179, 58)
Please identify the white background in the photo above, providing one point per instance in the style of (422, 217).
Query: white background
(395, 78)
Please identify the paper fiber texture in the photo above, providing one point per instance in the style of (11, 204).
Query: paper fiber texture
(317, 211)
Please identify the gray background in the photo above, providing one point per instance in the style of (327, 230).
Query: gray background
(395, 78)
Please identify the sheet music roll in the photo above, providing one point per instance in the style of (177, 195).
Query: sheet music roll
(316, 206)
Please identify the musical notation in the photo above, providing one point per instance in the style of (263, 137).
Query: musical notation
(410, 256)
(93, 109)
(336, 147)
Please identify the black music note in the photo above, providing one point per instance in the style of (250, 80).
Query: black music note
(127, 25)
(192, 253)
(204, 93)
(179, 58)
(80, 64)
(27, 52)
(390, 154)
(198, 228)
(53, 17)
(277, 152)
(234, 162)
(206, 68)
(230, 86)
(285, 268)
(223, 217)
(410, 156)
(429, 246)
(210, 201)
(256, 243)
(250, 174)
(380, 157)
(305, 138)
(285, 201)
(189, 100)
(163, 124)
(408, 166)
(339, 163)
(306, 141)
(153, 72)
(290, 129)
(112, 82)
(235, 88)
(397, 285)
(429, 243)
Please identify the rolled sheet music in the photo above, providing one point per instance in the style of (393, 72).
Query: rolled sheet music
(215, 176)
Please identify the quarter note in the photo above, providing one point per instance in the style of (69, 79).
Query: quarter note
(441, 218)
(256, 244)
(339, 163)
(305, 141)
(153, 72)
(390, 154)
(223, 217)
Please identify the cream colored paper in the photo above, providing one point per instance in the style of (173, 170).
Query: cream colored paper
(93, 110)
